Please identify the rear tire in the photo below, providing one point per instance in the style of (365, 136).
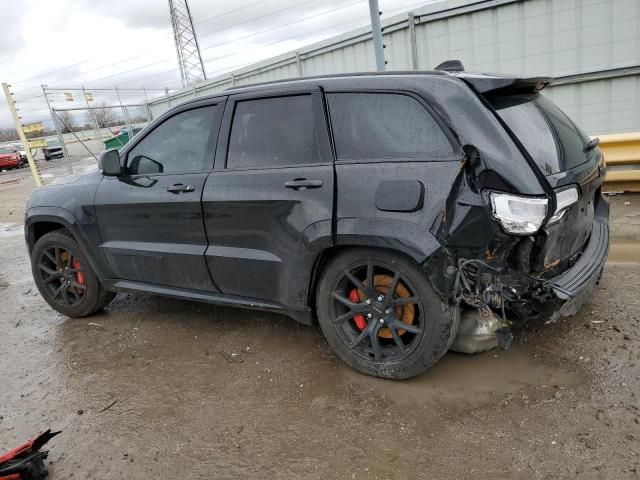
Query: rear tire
(65, 278)
(393, 342)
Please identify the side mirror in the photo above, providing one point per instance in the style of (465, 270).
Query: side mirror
(109, 163)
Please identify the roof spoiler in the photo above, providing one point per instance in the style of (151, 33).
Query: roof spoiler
(497, 85)
(493, 84)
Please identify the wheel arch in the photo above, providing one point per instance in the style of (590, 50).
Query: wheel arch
(42, 220)
(41, 228)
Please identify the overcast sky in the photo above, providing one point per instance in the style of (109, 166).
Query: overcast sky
(129, 43)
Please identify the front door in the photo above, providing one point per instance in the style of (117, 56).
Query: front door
(150, 219)
(268, 203)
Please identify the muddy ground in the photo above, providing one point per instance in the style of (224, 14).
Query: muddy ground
(161, 388)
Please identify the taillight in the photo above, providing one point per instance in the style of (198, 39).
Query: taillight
(518, 214)
(564, 199)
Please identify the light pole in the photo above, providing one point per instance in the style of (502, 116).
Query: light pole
(376, 30)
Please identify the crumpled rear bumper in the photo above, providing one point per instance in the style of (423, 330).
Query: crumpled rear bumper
(574, 285)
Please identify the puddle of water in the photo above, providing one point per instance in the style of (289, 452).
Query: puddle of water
(8, 230)
(624, 252)
(474, 380)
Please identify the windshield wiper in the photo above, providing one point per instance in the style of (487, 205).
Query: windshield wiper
(593, 143)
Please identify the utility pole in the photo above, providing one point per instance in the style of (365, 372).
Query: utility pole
(23, 138)
(187, 48)
(376, 30)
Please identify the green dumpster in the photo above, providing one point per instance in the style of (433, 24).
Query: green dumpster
(120, 140)
(116, 142)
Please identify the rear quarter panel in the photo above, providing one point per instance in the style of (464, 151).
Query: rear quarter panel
(360, 222)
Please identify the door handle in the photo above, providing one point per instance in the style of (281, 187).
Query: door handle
(180, 188)
(303, 184)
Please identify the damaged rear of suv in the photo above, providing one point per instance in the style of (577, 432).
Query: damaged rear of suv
(522, 232)
(406, 213)
(516, 253)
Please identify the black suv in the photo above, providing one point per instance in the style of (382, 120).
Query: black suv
(390, 208)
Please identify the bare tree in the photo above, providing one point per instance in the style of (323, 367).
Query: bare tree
(8, 134)
(139, 119)
(104, 116)
(138, 115)
(66, 121)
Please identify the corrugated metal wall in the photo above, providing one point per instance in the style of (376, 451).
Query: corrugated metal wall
(591, 46)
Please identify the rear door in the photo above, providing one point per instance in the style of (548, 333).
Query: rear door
(395, 165)
(268, 204)
(150, 219)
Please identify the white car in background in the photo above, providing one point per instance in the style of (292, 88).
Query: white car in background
(20, 148)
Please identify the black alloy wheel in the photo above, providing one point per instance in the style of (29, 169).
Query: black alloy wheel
(62, 275)
(380, 314)
(376, 311)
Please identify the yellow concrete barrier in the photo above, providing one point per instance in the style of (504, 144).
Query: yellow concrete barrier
(622, 154)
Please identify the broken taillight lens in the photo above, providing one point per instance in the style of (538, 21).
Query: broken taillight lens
(564, 199)
(518, 214)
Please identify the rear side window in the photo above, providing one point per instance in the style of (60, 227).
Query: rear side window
(177, 145)
(554, 142)
(273, 132)
(374, 126)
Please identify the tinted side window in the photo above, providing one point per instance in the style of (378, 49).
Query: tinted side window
(371, 126)
(178, 145)
(270, 132)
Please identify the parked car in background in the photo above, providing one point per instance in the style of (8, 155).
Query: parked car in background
(10, 157)
(20, 148)
(52, 150)
(405, 213)
(125, 131)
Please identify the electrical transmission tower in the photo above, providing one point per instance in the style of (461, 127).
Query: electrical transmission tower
(187, 48)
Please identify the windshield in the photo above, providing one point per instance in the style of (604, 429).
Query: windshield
(4, 150)
(554, 142)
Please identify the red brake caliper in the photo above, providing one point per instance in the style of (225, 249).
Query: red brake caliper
(75, 264)
(361, 323)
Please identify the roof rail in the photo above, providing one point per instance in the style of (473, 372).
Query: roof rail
(337, 75)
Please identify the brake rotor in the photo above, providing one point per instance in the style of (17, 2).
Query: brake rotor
(405, 313)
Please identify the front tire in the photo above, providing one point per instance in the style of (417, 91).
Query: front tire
(381, 316)
(65, 278)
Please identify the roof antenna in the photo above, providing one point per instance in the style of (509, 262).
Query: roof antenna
(451, 66)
